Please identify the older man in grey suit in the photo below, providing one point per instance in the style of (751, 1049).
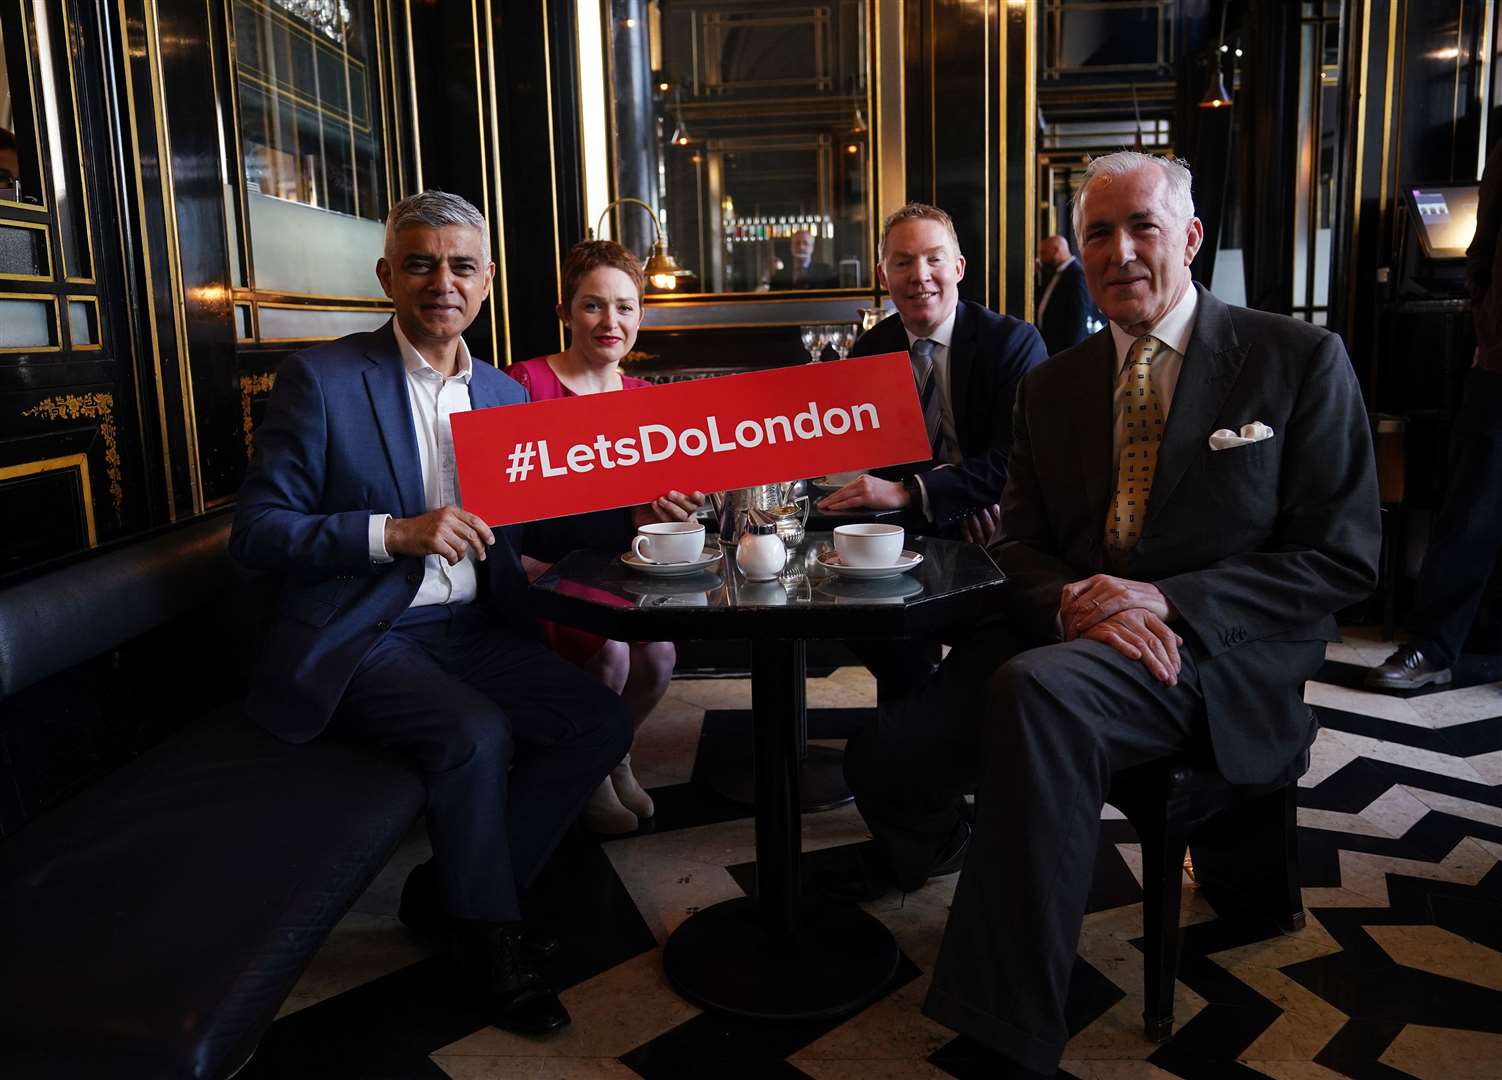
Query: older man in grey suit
(1191, 496)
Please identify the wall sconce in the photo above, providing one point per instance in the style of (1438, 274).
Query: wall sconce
(661, 268)
(1216, 94)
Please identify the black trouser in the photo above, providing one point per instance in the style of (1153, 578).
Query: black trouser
(1042, 732)
(1467, 535)
(509, 737)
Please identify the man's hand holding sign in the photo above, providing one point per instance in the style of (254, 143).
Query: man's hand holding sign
(570, 456)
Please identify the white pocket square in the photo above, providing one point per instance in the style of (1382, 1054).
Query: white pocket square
(1225, 438)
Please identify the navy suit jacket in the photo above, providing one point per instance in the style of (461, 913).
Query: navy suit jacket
(338, 445)
(1256, 546)
(988, 356)
(1062, 320)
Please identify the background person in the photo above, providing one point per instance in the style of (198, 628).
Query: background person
(601, 309)
(800, 271)
(1468, 531)
(1063, 301)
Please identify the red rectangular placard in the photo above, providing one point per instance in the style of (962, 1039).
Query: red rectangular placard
(550, 458)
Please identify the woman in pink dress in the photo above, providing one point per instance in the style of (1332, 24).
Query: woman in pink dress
(601, 309)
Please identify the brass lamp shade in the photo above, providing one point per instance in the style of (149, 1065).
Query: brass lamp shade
(662, 269)
(1216, 94)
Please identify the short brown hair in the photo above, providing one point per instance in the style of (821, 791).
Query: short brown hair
(590, 255)
(908, 213)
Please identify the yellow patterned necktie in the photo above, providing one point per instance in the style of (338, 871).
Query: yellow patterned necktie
(1142, 416)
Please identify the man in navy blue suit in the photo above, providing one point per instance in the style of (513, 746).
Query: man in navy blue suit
(967, 362)
(403, 617)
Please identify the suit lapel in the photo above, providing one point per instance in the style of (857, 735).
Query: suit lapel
(961, 369)
(1210, 369)
(1094, 434)
(386, 383)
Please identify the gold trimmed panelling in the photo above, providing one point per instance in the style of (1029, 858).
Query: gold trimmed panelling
(94, 405)
(250, 387)
(62, 464)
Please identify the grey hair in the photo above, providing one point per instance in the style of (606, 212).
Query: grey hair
(1179, 199)
(435, 210)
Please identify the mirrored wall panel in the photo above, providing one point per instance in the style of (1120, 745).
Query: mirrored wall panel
(746, 125)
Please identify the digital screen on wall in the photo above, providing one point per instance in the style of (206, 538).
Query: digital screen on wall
(1445, 218)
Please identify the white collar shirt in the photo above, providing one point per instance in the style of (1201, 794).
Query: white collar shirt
(435, 399)
(1174, 330)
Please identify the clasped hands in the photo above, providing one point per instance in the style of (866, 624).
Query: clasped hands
(452, 533)
(1130, 616)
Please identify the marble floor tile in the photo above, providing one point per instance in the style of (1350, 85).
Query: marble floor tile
(1458, 807)
(893, 1031)
(1365, 702)
(1488, 767)
(667, 740)
(1395, 811)
(1115, 1070)
(614, 1012)
(1440, 952)
(667, 891)
(361, 947)
(1327, 756)
(1307, 1022)
(1435, 1053)
(1412, 757)
(1451, 707)
(870, 1069)
(1366, 874)
(1293, 1070)
(521, 1068)
(1336, 821)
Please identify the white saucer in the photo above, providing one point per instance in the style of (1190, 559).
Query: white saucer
(708, 558)
(828, 485)
(906, 561)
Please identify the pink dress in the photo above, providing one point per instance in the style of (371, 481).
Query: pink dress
(571, 643)
(544, 385)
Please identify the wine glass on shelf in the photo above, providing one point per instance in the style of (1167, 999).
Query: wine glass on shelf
(814, 339)
(842, 338)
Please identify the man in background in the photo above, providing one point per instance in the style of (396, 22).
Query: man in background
(1064, 303)
(1468, 532)
(802, 272)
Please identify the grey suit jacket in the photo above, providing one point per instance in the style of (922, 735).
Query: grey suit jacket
(1256, 546)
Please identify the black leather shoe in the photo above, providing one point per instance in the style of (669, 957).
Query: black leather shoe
(514, 997)
(863, 874)
(420, 913)
(1407, 669)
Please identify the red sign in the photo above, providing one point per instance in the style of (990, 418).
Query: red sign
(550, 458)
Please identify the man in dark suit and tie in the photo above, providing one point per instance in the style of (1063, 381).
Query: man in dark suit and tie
(967, 362)
(1063, 301)
(1191, 495)
(403, 617)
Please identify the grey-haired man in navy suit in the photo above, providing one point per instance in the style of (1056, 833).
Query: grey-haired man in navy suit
(403, 617)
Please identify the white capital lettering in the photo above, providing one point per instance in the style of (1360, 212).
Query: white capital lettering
(715, 442)
(671, 443)
(548, 469)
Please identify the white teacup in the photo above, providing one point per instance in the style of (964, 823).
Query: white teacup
(669, 542)
(869, 544)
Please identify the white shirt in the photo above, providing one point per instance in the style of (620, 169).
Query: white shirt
(1174, 330)
(435, 399)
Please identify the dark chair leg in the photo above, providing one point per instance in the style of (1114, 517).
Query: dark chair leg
(1162, 877)
(1246, 860)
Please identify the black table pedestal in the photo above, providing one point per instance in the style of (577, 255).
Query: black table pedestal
(773, 957)
(724, 958)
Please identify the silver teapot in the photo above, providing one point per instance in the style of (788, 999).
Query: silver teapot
(732, 510)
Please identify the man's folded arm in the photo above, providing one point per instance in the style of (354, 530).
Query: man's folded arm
(277, 526)
(1322, 554)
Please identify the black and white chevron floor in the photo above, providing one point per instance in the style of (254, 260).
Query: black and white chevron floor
(1399, 972)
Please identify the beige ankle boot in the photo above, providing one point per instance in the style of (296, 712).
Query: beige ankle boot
(604, 814)
(631, 794)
